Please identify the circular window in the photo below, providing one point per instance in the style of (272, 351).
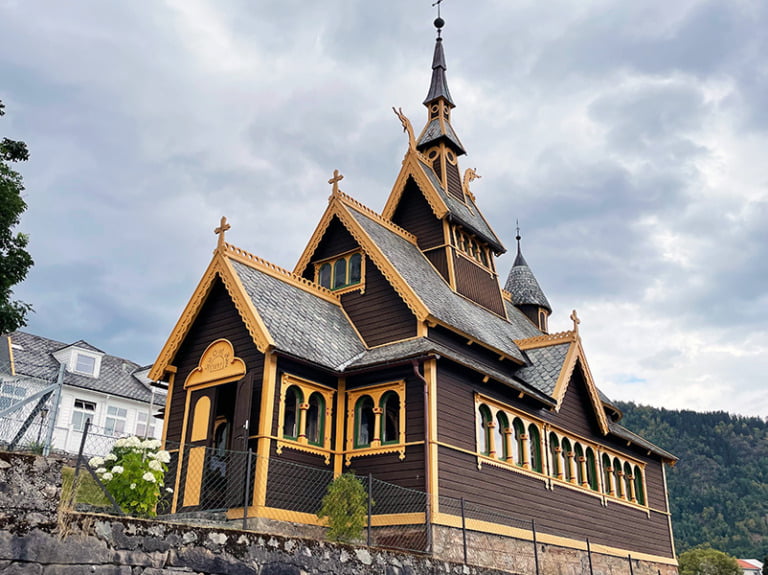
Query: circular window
(451, 157)
(432, 154)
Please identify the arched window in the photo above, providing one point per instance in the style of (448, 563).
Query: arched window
(340, 273)
(315, 417)
(355, 262)
(483, 257)
(390, 417)
(324, 276)
(591, 469)
(619, 474)
(556, 469)
(500, 434)
(519, 428)
(629, 487)
(608, 485)
(567, 455)
(639, 490)
(291, 419)
(534, 441)
(365, 421)
(580, 471)
(484, 430)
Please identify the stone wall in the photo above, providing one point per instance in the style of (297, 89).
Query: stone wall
(35, 540)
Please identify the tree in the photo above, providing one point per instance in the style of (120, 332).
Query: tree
(707, 561)
(14, 259)
(765, 565)
(344, 508)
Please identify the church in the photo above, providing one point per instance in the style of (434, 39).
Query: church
(394, 348)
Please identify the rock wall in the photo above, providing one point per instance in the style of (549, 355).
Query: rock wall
(35, 539)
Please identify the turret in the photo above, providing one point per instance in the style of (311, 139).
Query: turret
(526, 292)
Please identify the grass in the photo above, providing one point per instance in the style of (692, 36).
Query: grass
(88, 490)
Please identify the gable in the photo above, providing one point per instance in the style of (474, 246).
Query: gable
(414, 214)
(335, 240)
(577, 412)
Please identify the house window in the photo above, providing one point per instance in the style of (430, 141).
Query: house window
(115, 422)
(142, 417)
(11, 393)
(305, 416)
(83, 411)
(639, 490)
(521, 439)
(554, 455)
(376, 418)
(470, 246)
(591, 469)
(85, 364)
(341, 272)
(534, 441)
(484, 427)
(500, 434)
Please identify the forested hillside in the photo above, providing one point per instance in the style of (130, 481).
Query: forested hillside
(719, 490)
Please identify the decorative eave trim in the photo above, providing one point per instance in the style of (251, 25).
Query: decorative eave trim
(401, 287)
(547, 340)
(388, 223)
(316, 238)
(219, 267)
(412, 168)
(576, 354)
(433, 321)
(282, 274)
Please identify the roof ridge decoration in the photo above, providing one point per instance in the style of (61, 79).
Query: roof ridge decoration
(276, 271)
(413, 166)
(407, 127)
(353, 203)
(547, 340)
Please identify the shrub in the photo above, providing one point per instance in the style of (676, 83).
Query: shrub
(344, 508)
(133, 473)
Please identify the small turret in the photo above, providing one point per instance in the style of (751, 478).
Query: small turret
(527, 294)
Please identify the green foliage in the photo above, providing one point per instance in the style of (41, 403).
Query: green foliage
(88, 490)
(345, 508)
(718, 491)
(765, 565)
(133, 473)
(707, 561)
(14, 259)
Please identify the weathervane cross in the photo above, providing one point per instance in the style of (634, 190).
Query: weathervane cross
(223, 227)
(337, 177)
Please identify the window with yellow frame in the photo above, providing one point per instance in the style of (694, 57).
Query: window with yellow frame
(305, 416)
(376, 420)
(342, 272)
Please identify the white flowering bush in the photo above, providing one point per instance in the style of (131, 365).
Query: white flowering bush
(134, 473)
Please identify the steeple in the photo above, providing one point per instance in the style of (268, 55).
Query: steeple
(526, 292)
(439, 103)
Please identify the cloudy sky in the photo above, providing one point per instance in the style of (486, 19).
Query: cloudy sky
(628, 138)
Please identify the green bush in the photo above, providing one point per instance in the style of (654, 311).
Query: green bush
(133, 473)
(344, 508)
(707, 561)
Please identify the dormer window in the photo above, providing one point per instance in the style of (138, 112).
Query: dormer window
(470, 246)
(85, 364)
(342, 272)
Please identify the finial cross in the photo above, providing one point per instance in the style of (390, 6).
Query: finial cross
(223, 227)
(576, 321)
(337, 177)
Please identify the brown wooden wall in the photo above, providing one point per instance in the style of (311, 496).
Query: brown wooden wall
(479, 285)
(414, 214)
(218, 318)
(454, 181)
(439, 259)
(379, 314)
(336, 240)
(561, 510)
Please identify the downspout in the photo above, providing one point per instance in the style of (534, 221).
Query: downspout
(427, 475)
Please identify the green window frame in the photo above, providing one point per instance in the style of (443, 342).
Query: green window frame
(554, 453)
(500, 433)
(639, 490)
(534, 443)
(591, 469)
(608, 484)
(390, 418)
(484, 430)
(315, 427)
(567, 455)
(365, 421)
(292, 416)
(519, 428)
(341, 272)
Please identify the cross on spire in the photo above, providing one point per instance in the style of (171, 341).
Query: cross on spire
(223, 227)
(576, 321)
(337, 177)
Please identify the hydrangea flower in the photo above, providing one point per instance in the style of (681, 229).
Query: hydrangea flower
(118, 469)
(101, 470)
(110, 457)
(148, 476)
(155, 465)
(163, 456)
(133, 486)
(107, 476)
(96, 461)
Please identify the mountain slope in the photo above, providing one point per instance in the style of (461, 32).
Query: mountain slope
(719, 490)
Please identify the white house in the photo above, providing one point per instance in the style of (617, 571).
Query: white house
(113, 393)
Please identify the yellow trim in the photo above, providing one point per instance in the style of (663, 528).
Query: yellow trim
(545, 340)
(338, 456)
(264, 443)
(430, 375)
(193, 483)
(219, 267)
(375, 446)
(331, 261)
(411, 168)
(168, 397)
(307, 388)
(454, 521)
(201, 418)
(218, 364)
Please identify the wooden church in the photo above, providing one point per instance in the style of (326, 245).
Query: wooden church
(393, 349)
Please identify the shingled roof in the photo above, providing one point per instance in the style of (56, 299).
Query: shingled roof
(522, 284)
(33, 357)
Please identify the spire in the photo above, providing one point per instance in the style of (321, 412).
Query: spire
(522, 284)
(439, 102)
(438, 88)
